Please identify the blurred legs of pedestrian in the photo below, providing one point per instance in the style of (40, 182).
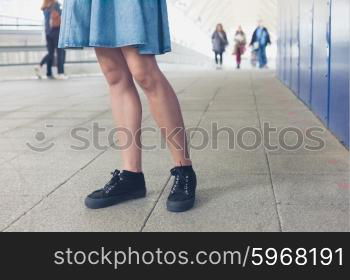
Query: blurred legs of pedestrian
(262, 57)
(52, 43)
(44, 60)
(239, 57)
(38, 68)
(254, 58)
(218, 59)
(61, 59)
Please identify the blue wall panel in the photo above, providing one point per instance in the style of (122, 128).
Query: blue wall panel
(280, 49)
(320, 67)
(283, 40)
(295, 47)
(288, 33)
(305, 69)
(282, 29)
(339, 78)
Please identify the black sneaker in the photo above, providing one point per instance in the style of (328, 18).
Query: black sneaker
(122, 187)
(183, 191)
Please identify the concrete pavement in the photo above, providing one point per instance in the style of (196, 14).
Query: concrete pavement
(239, 189)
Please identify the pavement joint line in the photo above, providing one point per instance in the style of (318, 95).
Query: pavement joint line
(169, 178)
(9, 159)
(80, 169)
(277, 204)
(48, 194)
(33, 121)
(5, 113)
(154, 205)
(58, 135)
(35, 78)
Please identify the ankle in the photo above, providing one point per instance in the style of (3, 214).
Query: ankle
(188, 169)
(133, 170)
(183, 163)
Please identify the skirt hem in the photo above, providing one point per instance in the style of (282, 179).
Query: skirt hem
(113, 46)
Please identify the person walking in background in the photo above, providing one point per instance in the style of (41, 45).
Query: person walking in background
(52, 14)
(259, 42)
(38, 69)
(240, 45)
(220, 42)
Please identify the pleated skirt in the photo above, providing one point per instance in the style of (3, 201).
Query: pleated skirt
(116, 23)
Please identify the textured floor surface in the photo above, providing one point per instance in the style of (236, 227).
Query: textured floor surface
(55, 148)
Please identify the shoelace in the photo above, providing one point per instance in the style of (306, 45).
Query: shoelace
(179, 177)
(113, 182)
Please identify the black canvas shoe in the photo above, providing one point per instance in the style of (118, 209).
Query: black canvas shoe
(122, 187)
(183, 191)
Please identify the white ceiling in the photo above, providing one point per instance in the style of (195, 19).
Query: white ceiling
(207, 13)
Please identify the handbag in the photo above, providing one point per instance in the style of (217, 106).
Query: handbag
(55, 18)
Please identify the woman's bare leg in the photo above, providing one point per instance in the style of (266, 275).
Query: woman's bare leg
(126, 106)
(163, 102)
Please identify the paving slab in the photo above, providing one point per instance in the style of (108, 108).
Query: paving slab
(309, 190)
(309, 164)
(311, 218)
(300, 143)
(233, 203)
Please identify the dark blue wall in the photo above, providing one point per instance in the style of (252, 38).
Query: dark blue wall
(294, 8)
(313, 58)
(339, 75)
(321, 63)
(287, 44)
(306, 46)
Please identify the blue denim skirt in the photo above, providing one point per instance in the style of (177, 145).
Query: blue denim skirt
(116, 23)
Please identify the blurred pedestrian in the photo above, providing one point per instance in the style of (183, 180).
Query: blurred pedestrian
(259, 42)
(240, 45)
(220, 42)
(52, 13)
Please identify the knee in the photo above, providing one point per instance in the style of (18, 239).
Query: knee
(114, 76)
(146, 78)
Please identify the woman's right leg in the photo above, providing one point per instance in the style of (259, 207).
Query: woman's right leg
(44, 60)
(51, 55)
(239, 57)
(60, 52)
(126, 106)
(221, 58)
(216, 58)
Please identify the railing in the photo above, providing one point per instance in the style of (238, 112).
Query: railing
(31, 48)
(19, 23)
(31, 55)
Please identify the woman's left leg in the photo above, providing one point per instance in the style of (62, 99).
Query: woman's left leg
(44, 60)
(239, 57)
(163, 102)
(165, 108)
(51, 55)
(216, 58)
